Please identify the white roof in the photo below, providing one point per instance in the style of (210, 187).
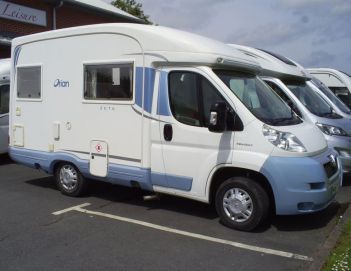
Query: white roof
(342, 76)
(103, 6)
(273, 66)
(169, 44)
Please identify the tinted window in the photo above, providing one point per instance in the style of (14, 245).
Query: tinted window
(191, 97)
(4, 99)
(29, 82)
(108, 82)
(184, 97)
(210, 95)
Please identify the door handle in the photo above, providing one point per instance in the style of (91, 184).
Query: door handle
(168, 132)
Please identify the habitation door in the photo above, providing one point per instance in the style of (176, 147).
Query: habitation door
(190, 150)
(98, 158)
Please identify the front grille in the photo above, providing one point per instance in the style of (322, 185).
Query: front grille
(331, 168)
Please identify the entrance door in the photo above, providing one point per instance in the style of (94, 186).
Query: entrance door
(190, 150)
(98, 158)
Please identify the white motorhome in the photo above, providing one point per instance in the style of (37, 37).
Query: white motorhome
(4, 103)
(338, 81)
(153, 107)
(292, 83)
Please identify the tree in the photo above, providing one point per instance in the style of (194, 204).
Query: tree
(133, 8)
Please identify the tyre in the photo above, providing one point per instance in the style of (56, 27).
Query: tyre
(242, 204)
(69, 180)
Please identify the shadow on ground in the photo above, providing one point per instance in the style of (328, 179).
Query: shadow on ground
(5, 159)
(116, 193)
(134, 196)
(347, 180)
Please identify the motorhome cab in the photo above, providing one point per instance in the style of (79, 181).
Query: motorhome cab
(4, 103)
(339, 82)
(338, 105)
(166, 111)
(290, 82)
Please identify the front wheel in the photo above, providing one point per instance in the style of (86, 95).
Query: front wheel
(241, 203)
(69, 180)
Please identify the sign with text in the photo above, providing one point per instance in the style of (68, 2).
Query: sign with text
(21, 13)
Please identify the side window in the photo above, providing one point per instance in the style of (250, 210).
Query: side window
(210, 95)
(108, 82)
(285, 97)
(191, 97)
(29, 82)
(184, 98)
(4, 99)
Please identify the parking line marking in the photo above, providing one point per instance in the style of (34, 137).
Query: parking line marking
(74, 208)
(79, 208)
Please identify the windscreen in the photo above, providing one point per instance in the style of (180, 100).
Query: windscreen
(310, 99)
(4, 99)
(332, 97)
(258, 98)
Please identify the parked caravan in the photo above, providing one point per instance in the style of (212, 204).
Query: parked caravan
(338, 81)
(4, 103)
(167, 111)
(290, 82)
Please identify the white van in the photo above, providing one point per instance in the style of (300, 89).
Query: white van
(339, 82)
(153, 107)
(291, 82)
(4, 103)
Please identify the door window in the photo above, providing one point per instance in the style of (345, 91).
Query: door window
(191, 97)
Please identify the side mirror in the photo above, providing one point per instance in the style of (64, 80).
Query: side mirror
(218, 117)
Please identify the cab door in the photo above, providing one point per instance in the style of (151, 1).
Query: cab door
(190, 150)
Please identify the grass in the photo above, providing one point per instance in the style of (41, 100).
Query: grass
(340, 257)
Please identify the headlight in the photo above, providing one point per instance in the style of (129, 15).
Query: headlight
(283, 140)
(331, 130)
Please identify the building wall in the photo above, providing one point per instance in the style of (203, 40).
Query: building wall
(66, 16)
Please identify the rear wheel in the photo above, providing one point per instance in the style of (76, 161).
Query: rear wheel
(242, 204)
(69, 180)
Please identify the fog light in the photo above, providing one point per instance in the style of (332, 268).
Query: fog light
(305, 206)
(316, 186)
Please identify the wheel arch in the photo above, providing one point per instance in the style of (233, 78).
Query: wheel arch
(223, 173)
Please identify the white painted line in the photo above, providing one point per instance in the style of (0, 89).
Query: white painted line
(74, 208)
(79, 208)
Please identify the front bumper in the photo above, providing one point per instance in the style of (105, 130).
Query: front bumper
(342, 145)
(301, 185)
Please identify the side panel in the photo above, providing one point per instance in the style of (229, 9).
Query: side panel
(115, 122)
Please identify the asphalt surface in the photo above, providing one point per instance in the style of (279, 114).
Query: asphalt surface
(32, 238)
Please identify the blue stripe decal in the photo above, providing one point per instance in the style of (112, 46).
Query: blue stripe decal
(149, 88)
(118, 174)
(16, 53)
(171, 181)
(149, 83)
(163, 101)
(139, 87)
